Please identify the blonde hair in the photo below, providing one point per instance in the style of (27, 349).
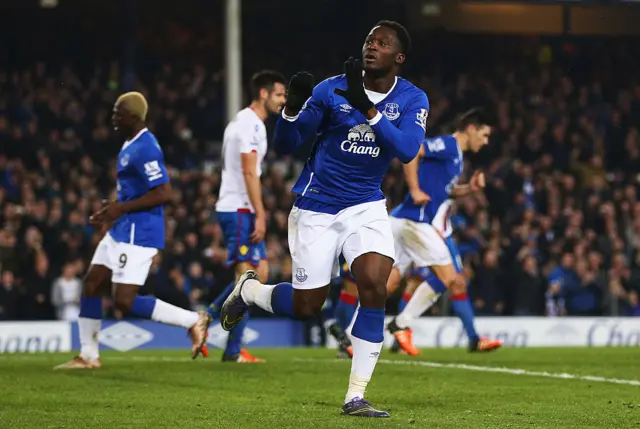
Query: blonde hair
(136, 104)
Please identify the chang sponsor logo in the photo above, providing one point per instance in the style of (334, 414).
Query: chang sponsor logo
(613, 333)
(34, 337)
(360, 140)
(31, 344)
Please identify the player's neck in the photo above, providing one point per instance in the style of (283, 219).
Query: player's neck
(380, 84)
(260, 110)
(463, 140)
(135, 130)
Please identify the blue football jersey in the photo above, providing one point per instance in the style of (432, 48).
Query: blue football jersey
(140, 168)
(439, 171)
(351, 154)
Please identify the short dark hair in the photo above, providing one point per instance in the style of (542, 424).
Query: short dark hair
(401, 33)
(264, 79)
(476, 117)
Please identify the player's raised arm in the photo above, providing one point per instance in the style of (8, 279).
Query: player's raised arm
(302, 113)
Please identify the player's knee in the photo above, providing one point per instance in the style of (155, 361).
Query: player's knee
(372, 291)
(457, 285)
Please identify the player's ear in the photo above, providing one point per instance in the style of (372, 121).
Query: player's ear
(264, 93)
(400, 58)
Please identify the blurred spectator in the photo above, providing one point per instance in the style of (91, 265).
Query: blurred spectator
(65, 294)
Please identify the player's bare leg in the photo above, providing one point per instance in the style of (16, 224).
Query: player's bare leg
(127, 300)
(370, 270)
(234, 351)
(394, 281)
(90, 319)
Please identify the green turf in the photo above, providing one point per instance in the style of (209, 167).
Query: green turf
(301, 388)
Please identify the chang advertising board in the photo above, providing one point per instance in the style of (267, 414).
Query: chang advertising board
(531, 331)
(435, 332)
(35, 337)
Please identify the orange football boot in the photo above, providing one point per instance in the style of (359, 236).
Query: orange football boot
(485, 345)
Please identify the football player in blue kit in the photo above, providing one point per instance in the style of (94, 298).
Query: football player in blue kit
(136, 232)
(362, 120)
(422, 228)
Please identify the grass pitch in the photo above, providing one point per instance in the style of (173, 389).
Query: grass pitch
(304, 388)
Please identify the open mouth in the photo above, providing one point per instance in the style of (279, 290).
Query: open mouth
(370, 58)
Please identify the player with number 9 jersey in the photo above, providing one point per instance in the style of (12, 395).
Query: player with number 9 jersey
(136, 231)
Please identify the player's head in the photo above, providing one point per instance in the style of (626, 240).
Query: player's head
(268, 87)
(129, 112)
(385, 47)
(476, 125)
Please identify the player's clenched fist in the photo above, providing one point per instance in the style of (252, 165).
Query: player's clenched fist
(300, 89)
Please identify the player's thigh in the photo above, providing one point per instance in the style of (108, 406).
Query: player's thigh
(424, 245)
(99, 271)
(313, 245)
(131, 264)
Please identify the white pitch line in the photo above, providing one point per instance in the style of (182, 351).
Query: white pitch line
(503, 370)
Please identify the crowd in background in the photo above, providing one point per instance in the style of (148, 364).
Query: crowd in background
(556, 232)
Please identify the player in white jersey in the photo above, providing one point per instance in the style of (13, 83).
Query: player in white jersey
(136, 231)
(239, 208)
(422, 228)
(362, 120)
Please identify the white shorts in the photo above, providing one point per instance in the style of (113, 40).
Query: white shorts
(418, 243)
(128, 263)
(316, 240)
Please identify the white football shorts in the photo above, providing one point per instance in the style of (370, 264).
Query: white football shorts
(128, 263)
(418, 243)
(316, 240)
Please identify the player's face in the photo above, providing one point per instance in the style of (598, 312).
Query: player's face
(479, 137)
(121, 119)
(381, 50)
(276, 98)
